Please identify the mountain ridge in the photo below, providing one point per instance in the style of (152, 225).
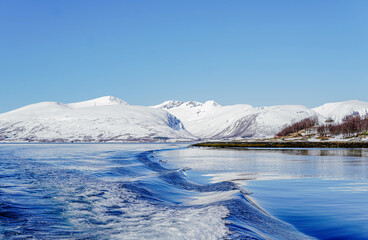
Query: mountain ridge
(210, 120)
(338, 110)
(103, 119)
(111, 119)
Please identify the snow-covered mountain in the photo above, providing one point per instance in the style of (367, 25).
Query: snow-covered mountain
(213, 121)
(97, 120)
(338, 110)
(110, 119)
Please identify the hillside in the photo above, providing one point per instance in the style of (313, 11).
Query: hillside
(110, 119)
(210, 120)
(338, 110)
(98, 120)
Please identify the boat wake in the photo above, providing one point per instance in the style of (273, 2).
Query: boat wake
(122, 195)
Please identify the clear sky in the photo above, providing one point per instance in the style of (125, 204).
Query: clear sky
(145, 52)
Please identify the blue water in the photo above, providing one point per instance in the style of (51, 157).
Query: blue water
(322, 192)
(168, 191)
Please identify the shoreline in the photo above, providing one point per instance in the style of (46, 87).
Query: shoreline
(263, 144)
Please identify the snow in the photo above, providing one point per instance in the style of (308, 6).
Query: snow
(112, 119)
(210, 120)
(102, 119)
(102, 101)
(338, 110)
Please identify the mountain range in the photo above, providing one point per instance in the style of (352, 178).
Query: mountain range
(110, 119)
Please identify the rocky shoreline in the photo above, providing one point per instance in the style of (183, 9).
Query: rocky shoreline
(289, 144)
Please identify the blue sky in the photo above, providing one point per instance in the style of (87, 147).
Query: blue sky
(145, 52)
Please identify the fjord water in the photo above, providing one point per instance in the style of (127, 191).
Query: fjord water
(322, 192)
(168, 191)
(95, 191)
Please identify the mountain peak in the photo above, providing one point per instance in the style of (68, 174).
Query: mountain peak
(211, 103)
(190, 104)
(169, 104)
(101, 101)
(193, 104)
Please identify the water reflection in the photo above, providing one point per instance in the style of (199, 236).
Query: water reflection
(264, 164)
(350, 152)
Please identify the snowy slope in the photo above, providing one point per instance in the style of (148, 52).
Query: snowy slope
(211, 120)
(338, 110)
(102, 119)
(112, 119)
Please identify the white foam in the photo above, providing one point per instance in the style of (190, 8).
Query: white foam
(88, 201)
